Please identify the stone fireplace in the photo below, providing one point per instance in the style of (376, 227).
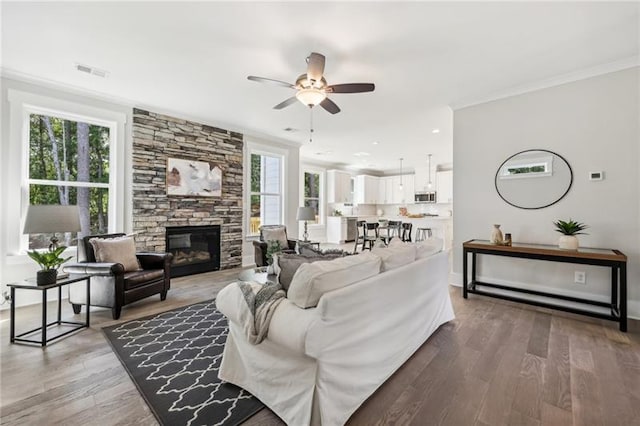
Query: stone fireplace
(156, 138)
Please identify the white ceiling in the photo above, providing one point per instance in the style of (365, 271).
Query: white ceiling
(193, 59)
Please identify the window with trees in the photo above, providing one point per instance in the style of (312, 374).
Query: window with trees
(266, 191)
(312, 197)
(69, 165)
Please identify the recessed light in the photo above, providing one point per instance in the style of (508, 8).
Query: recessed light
(435, 131)
(376, 143)
(361, 154)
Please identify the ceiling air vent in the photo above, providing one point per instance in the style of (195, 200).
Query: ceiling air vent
(91, 70)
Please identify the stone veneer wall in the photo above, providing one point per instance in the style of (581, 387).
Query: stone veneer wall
(157, 137)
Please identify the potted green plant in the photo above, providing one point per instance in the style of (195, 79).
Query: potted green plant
(273, 247)
(49, 261)
(569, 229)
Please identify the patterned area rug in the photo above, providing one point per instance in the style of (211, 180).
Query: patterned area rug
(173, 358)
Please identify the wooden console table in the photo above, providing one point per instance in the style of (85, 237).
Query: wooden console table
(613, 259)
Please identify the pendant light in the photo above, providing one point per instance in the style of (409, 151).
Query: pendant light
(429, 185)
(401, 173)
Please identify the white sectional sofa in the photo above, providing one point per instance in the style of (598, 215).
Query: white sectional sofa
(319, 364)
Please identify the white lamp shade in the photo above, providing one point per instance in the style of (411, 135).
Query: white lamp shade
(306, 213)
(44, 219)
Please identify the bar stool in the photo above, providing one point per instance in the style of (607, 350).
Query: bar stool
(370, 239)
(393, 230)
(423, 234)
(359, 235)
(406, 231)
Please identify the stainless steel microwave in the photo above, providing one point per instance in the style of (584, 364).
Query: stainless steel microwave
(425, 197)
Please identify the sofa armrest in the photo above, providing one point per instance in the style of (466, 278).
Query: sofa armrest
(154, 260)
(100, 269)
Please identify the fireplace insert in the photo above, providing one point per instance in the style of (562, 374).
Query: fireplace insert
(195, 249)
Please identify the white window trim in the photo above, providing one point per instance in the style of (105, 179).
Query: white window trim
(322, 205)
(21, 105)
(260, 149)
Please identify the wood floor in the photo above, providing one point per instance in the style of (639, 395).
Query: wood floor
(498, 363)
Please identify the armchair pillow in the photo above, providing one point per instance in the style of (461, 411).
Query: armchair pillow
(116, 250)
(275, 232)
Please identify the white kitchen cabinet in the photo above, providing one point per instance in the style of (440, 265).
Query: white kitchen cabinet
(389, 191)
(382, 190)
(366, 191)
(421, 179)
(408, 190)
(444, 187)
(338, 187)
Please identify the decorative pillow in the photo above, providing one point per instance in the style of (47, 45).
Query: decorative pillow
(116, 250)
(312, 280)
(275, 232)
(395, 255)
(286, 265)
(428, 247)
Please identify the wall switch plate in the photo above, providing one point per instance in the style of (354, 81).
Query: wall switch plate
(596, 175)
(580, 277)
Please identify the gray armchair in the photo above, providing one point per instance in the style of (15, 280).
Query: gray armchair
(260, 247)
(111, 286)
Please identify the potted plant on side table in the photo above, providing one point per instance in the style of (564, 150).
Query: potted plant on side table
(569, 230)
(49, 262)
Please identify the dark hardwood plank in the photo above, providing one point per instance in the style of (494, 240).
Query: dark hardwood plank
(557, 373)
(539, 341)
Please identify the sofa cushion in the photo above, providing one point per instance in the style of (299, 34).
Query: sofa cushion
(116, 250)
(428, 247)
(395, 255)
(312, 280)
(137, 278)
(275, 232)
(285, 265)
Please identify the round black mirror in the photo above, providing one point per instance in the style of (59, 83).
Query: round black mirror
(534, 179)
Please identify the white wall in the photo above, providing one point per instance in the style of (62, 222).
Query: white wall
(593, 123)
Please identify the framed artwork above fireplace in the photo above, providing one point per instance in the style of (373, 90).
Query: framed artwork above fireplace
(193, 178)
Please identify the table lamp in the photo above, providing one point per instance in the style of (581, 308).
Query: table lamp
(45, 219)
(306, 213)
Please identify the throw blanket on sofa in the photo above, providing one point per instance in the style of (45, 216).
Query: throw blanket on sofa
(262, 300)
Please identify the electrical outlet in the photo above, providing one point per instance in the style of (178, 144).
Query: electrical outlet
(580, 277)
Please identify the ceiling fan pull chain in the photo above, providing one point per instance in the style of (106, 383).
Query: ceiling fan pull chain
(310, 124)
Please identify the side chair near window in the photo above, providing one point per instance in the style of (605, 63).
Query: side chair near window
(272, 232)
(121, 277)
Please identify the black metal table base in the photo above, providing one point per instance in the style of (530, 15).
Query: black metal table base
(44, 328)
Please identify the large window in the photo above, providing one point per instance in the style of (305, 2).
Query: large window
(266, 191)
(312, 192)
(69, 165)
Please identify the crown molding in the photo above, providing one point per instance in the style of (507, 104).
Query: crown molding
(583, 74)
(131, 103)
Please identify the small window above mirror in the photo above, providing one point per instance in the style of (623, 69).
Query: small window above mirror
(533, 179)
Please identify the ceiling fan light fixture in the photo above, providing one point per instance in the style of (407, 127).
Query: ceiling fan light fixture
(311, 96)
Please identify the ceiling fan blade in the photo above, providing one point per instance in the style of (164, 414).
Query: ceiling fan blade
(350, 88)
(271, 81)
(286, 103)
(330, 106)
(315, 67)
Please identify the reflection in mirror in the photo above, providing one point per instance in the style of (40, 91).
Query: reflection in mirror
(533, 179)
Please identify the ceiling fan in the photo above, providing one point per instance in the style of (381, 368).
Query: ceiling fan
(312, 88)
